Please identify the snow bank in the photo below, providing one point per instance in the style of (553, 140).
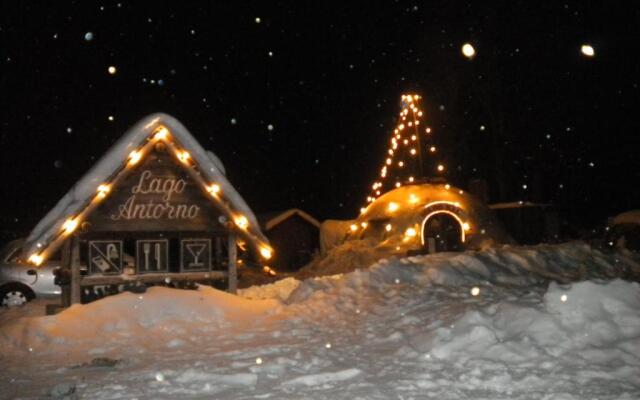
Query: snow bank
(484, 324)
(517, 265)
(595, 322)
(154, 318)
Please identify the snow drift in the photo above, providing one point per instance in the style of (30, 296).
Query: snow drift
(483, 324)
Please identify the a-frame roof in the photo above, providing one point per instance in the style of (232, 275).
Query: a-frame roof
(204, 166)
(271, 220)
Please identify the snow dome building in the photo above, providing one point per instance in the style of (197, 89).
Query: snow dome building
(428, 218)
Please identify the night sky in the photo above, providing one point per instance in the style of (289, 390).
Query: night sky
(299, 98)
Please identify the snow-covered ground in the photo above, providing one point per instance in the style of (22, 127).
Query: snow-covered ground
(479, 325)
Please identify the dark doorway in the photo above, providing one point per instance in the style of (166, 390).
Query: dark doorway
(442, 232)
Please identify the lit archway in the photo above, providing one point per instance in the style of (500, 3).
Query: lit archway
(443, 227)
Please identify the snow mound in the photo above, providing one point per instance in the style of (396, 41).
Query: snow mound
(160, 313)
(484, 324)
(518, 266)
(278, 290)
(573, 322)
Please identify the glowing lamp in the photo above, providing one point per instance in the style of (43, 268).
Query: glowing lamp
(364, 225)
(413, 152)
(184, 156)
(410, 232)
(466, 226)
(468, 50)
(70, 225)
(388, 228)
(103, 190)
(440, 167)
(241, 222)
(134, 157)
(353, 227)
(587, 50)
(161, 134)
(413, 199)
(214, 189)
(35, 259)
(392, 207)
(266, 252)
(432, 149)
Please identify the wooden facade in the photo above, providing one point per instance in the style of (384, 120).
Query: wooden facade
(295, 235)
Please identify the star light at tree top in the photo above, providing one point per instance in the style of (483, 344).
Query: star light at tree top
(410, 154)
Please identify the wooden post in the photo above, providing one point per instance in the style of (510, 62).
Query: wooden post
(233, 271)
(218, 253)
(65, 294)
(75, 270)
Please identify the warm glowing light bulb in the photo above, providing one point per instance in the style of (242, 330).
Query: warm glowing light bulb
(184, 156)
(392, 207)
(103, 190)
(353, 227)
(241, 221)
(468, 50)
(266, 252)
(413, 199)
(440, 167)
(466, 226)
(362, 209)
(388, 228)
(364, 224)
(161, 134)
(411, 179)
(134, 157)
(432, 149)
(214, 189)
(35, 259)
(401, 127)
(70, 225)
(587, 50)
(401, 164)
(413, 152)
(475, 291)
(410, 232)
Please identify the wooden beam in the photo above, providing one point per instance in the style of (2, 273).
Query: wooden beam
(75, 270)
(151, 278)
(65, 293)
(232, 264)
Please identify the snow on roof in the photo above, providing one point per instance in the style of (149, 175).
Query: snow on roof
(115, 160)
(627, 217)
(279, 217)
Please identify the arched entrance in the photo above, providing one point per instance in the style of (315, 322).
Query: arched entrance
(441, 231)
(443, 227)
